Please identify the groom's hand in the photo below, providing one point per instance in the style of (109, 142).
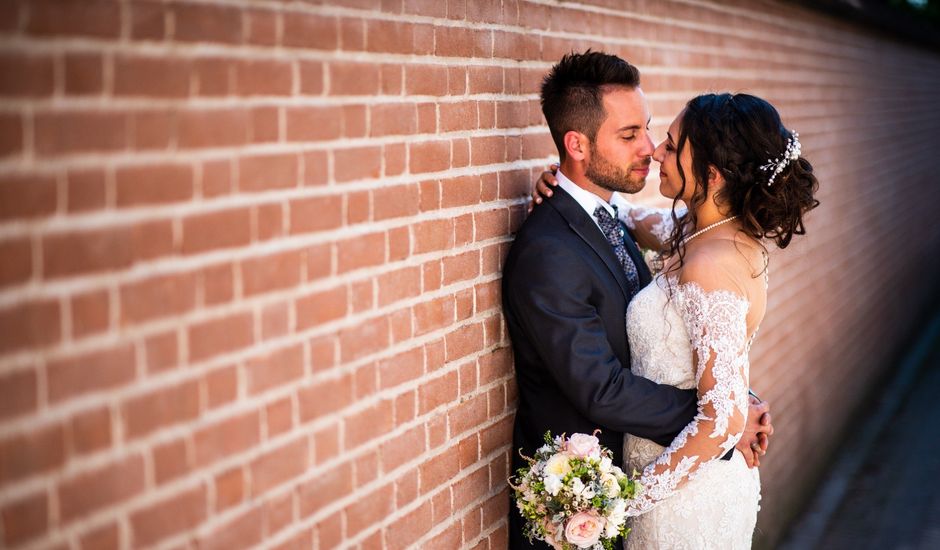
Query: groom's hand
(753, 443)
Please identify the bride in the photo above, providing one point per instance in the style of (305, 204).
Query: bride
(738, 171)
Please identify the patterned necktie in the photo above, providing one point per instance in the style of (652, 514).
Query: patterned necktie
(613, 230)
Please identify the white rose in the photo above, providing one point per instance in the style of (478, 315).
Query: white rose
(606, 464)
(610, 484)
(558, 465)
(553, 484)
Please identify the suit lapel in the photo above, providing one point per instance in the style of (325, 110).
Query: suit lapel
(582, 224)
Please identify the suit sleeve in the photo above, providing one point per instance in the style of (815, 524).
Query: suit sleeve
(553, 309)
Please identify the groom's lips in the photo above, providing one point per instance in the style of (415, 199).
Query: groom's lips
(643, 171)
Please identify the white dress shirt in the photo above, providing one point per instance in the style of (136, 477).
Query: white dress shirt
(589, 201)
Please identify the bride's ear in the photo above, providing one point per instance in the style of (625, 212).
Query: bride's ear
(715, 180)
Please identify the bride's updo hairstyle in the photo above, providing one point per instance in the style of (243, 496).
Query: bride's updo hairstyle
(768, 185)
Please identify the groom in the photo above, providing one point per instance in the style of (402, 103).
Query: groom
(571, 273)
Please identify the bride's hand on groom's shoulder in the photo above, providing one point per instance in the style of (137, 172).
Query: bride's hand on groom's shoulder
(543, 186)
(756, 438)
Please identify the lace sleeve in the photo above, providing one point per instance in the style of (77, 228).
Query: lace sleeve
(651, 226)
(716, 321)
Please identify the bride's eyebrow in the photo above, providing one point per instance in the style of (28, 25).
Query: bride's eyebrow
(668, 135)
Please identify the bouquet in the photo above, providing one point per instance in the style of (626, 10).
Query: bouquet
(572, 495)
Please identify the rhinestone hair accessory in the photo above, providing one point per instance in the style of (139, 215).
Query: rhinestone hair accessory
(775, 166)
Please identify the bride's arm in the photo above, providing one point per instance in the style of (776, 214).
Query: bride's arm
(651, 227)
(715, 314)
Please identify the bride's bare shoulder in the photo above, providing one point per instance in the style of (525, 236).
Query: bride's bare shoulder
(723, 263)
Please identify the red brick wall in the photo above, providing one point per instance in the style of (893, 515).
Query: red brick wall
(249, 288)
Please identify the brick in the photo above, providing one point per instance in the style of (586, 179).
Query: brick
(399, 244)
(468, 415)
(265, 125)
(399, 285)
(172, 515)
(363, 339)
(426, 80)
(226, 438)
(394, 202)
(324, 397)
(326, 443)
(263, 77)
(20, 393)
(411, 527)
(65, 132)
(17, 264)
(461, 267)
(35, 76)
(323, 490)
(402, 449)
(437, 392)
(216, 178)
(321, 307)
(271, 272)
(147, 21)
(213, 128)
(353, 79)
(244, 531)
(364, 513)
(156, 297)
(464, 341)
(40, 450)
(96, 489)
(207, 23)
(279, 466)
(260, 173)
(163, 77)
(312, 75)
(262, 27)
(389, 36)
(152, 130)
(217, 283)
(427, 118)
(311, 31)
(221, 335)
(428, 156)
(361, 251)
(274, 369)
(29, 325)
(155, 184)
(160, 409)
(357, 163)
(314, 123)
(213, 76)
(438, 471)
(275, 320)
(229, 488)
(393, 119)
(433, 315)
(97, 18)
(222, 229)
(90, 431)
(170, 461)
(107, 537)
(279, 417)
(84, 74)
(99, 370)
(74, 253)
(26, 196)
(221, 386)
(85, 190)
(268, 221)
(25, 518)
(406, 490)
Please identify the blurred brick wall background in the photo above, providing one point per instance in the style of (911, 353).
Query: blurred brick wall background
(249, 288)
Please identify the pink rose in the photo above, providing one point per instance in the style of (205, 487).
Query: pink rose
(584, 446)
(551, 537)
(584, 529)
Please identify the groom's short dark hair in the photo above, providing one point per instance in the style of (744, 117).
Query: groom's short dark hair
(572, 93)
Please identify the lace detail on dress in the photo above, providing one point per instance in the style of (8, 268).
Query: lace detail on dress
(660, 227)
(716, 325)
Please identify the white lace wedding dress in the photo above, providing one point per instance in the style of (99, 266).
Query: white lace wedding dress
(691, 499)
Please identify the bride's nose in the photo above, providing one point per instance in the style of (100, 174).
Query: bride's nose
(660, 152)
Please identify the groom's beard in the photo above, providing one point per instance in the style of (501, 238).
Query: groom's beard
(611, 177)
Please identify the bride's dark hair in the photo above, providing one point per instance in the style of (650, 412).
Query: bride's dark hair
(737, 134)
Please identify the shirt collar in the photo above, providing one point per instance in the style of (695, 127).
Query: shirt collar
(588, 201)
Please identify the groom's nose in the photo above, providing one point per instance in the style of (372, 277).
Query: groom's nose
(647, 147)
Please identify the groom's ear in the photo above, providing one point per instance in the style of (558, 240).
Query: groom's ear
(576, 145)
